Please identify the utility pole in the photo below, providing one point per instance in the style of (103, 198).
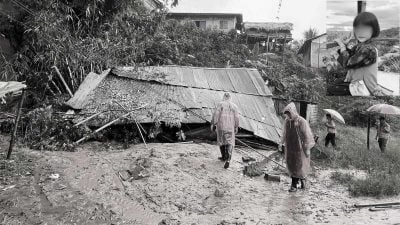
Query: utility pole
(361, 5)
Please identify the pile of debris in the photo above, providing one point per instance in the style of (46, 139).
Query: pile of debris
(137, 171)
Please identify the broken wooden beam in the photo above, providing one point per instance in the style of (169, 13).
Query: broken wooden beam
(87, 119)
(137, 125)
(108, 124)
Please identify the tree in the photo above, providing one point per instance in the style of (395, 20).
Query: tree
(90, 36)
(310, 33)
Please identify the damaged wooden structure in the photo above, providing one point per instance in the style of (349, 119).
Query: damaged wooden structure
(12, 89)
(177, 96)
(267, 36)
(314, 50)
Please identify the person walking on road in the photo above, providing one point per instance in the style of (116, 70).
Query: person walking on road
(226, 123)
(298, 140)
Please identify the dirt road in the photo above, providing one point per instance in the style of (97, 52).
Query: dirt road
(183, 184)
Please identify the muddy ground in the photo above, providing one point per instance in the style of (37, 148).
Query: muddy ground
(177, 184)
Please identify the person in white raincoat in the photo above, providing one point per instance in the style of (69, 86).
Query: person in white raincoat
(298, 140)
(226, 122)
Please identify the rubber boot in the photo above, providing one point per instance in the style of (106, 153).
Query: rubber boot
(222, 149)
(226, 165)
(293, 187)
(302, 184)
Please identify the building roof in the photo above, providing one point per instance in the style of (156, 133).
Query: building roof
(176, 94)
(267, 26)
(239, 17)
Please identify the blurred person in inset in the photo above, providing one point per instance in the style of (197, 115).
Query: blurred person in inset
(383, 133)
(331, 128)
(360, 57)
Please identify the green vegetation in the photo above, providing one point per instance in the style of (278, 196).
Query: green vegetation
(382, 169)
(83, 36)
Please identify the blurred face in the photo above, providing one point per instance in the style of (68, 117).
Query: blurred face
(329, 118)
(287, 115)
(363, 33)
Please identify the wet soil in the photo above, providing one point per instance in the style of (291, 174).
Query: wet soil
(185, 184)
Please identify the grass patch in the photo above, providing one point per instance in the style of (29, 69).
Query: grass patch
(383, 169)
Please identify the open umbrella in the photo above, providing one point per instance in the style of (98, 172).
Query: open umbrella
(335, 115)
(384, 109)
(381, 109)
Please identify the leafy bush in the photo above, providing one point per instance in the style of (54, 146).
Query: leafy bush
(382, 169)
(46, 132)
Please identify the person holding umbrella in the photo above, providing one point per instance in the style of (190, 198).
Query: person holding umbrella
(382, 133)
(331, 128)
(332, 115)
(383, 129)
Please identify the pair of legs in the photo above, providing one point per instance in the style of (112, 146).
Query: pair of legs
(339, 88)
(226, 154)
(330, 138)
(295, 181)
(382, 144)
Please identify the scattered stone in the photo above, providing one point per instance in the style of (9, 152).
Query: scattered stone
(138, 172)
(255, 169)
(169, 222)
(218, 193)
(9, 187)
(124, 174)
(145, 162)
(54, 176)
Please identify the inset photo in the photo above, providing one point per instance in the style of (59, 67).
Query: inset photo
(364, 51)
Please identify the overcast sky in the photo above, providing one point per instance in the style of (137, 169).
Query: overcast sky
(340, 14)
(303, 14)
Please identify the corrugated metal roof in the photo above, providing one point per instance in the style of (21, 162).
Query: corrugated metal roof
(79, 100)
(170, 97)
(241, 80)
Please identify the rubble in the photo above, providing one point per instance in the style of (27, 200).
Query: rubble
(255, 169)
(218, 193)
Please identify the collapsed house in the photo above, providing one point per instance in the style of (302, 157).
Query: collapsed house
(176, 95)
